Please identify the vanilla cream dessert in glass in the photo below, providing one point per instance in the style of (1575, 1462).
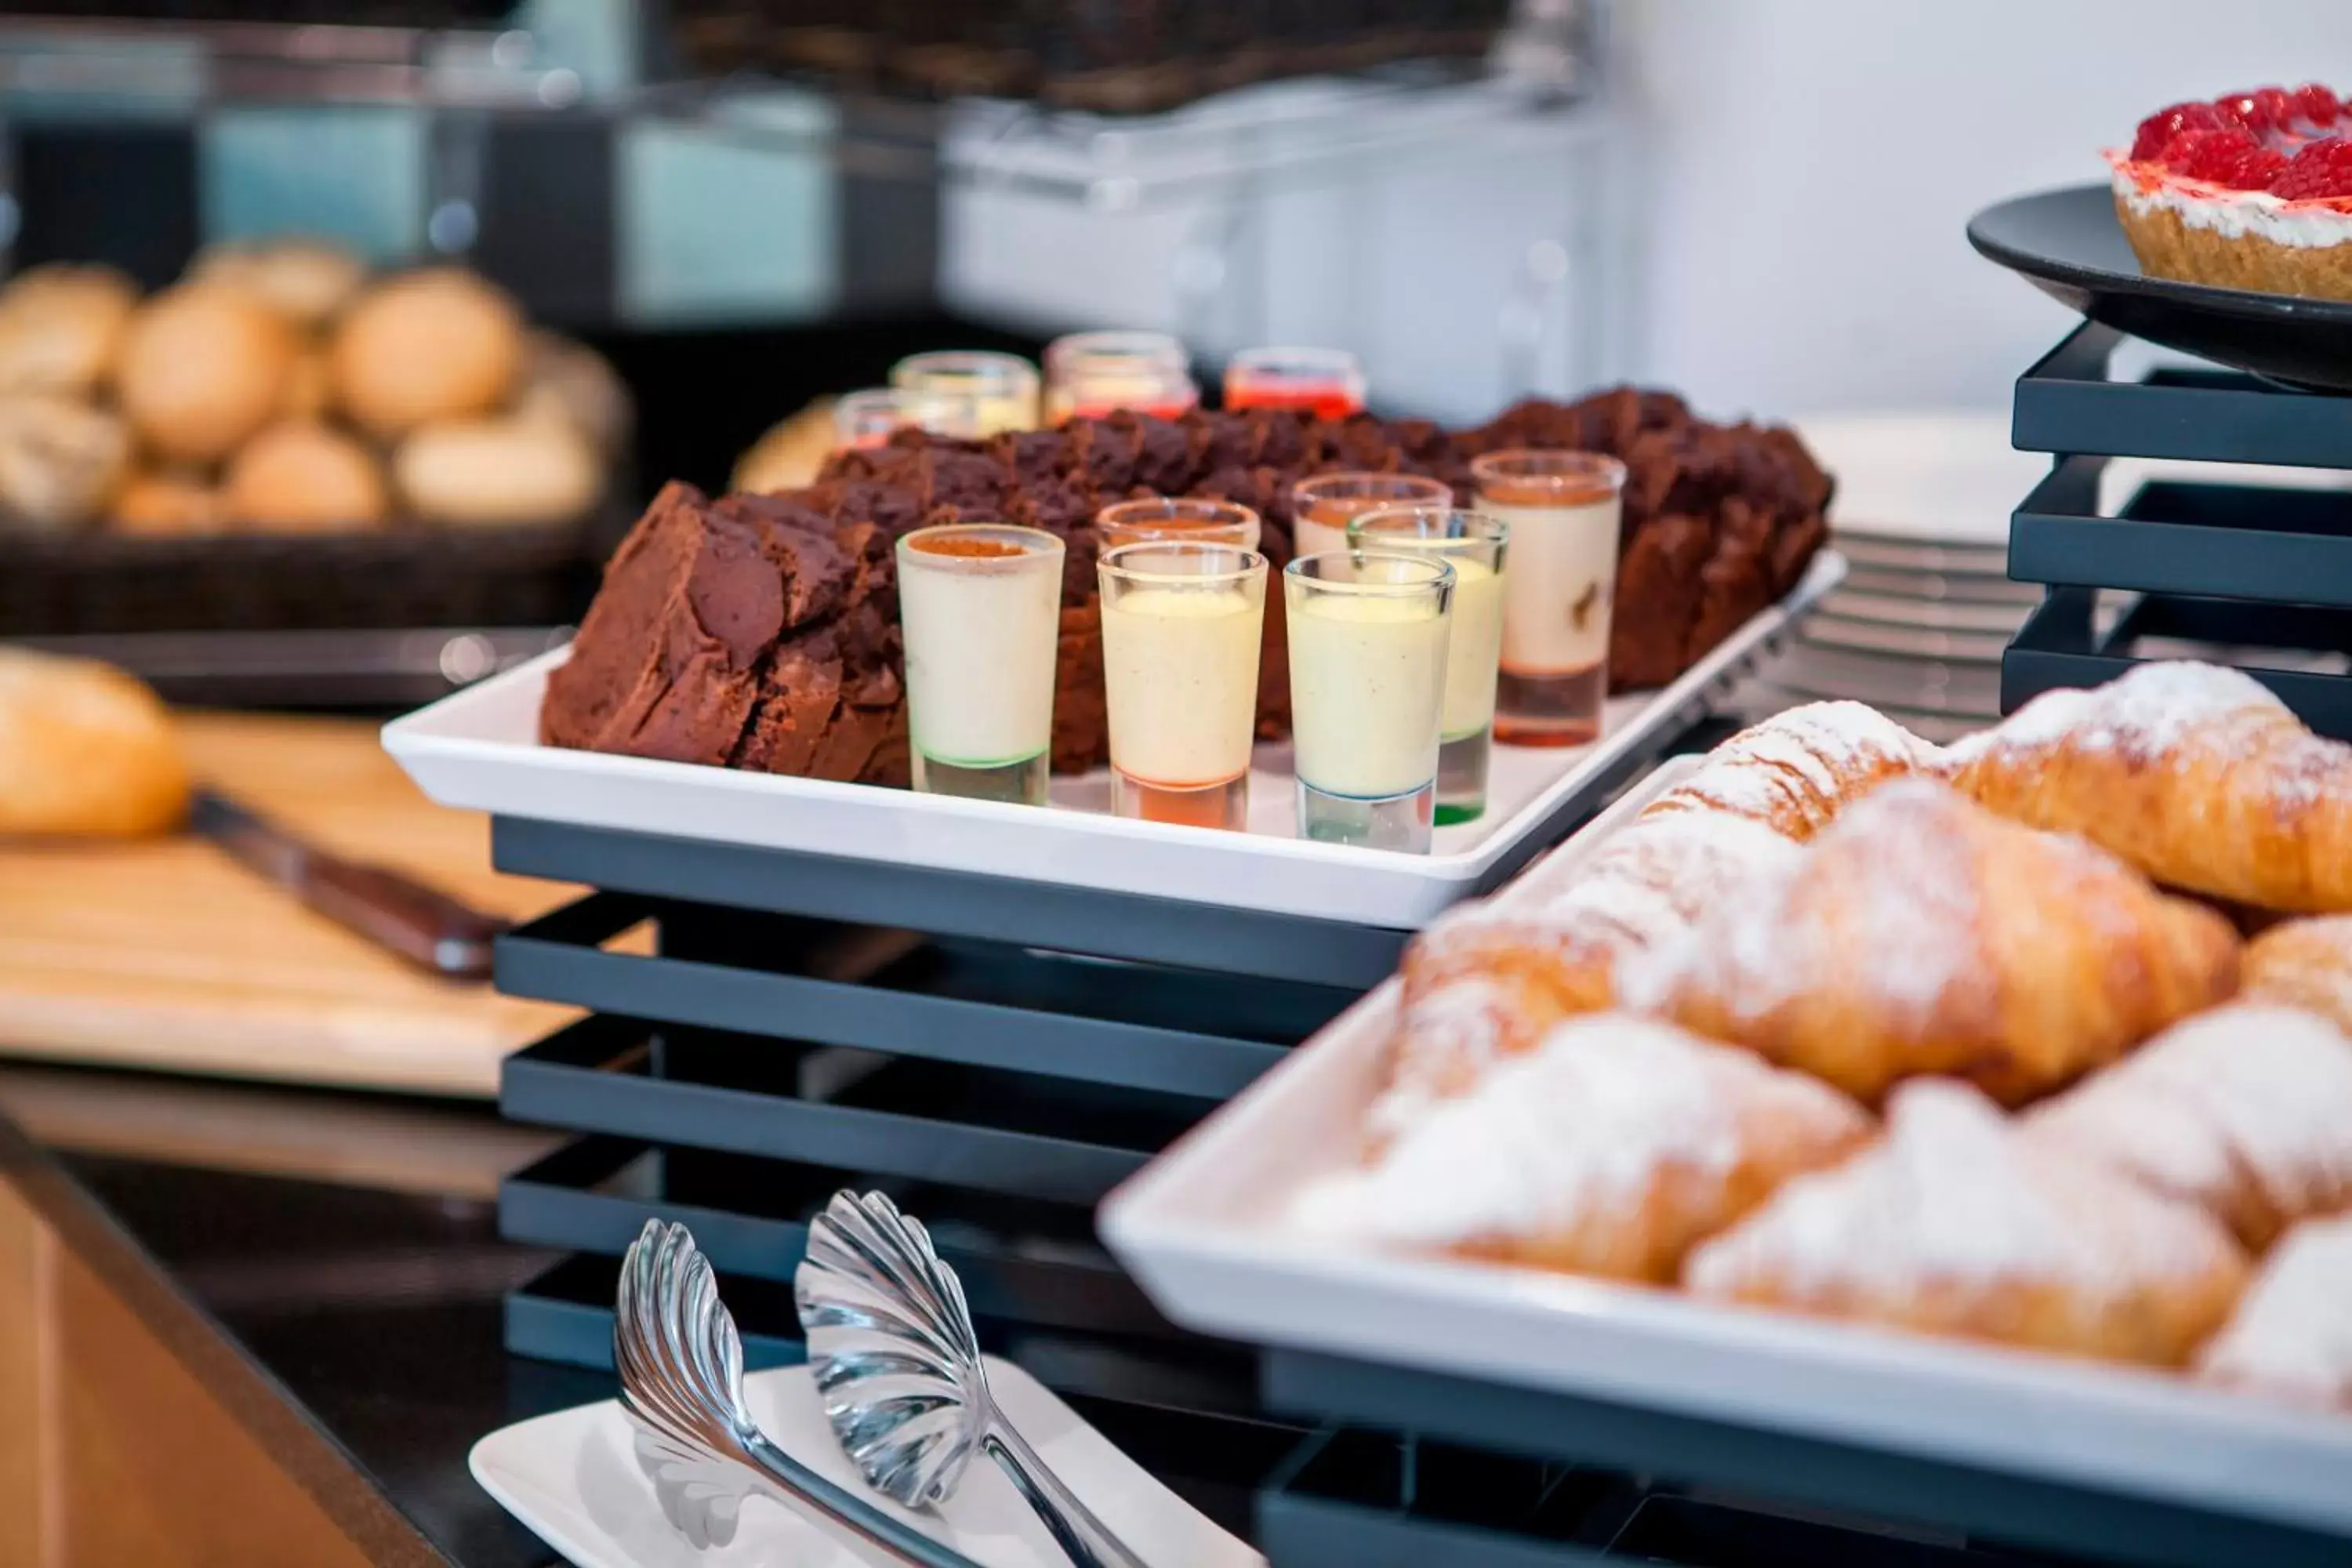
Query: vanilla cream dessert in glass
(1367, 635)
(1181, 623)
(1176, 520)
(1473, 544)
(1321, 507)
(1089, 374)
(980, 608)
(970, 394)
(1563, 510)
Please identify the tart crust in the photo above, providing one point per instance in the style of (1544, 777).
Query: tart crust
(2167, 248)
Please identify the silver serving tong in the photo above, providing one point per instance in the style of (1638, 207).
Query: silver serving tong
(898, 1366)
(681, 1366)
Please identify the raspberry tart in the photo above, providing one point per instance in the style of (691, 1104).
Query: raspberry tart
(2250, 191)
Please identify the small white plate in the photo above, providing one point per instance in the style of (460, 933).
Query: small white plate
(573, 1477)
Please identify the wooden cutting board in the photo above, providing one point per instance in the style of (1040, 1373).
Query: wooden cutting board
(168, 954)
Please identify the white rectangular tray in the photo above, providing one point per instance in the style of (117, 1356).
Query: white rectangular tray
(1199, 1229)
(480, 750)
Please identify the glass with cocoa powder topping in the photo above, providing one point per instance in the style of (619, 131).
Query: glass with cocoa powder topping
(980, 609)
(1563, 510)
(1321, 507)
(1176, 520)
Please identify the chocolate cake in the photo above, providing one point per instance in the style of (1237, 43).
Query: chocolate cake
(762, 631)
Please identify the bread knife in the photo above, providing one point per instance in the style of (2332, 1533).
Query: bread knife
(394, 910)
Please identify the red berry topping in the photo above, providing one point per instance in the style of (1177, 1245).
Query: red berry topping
(2322, 168)
(2156, 132)
(2317, 106)
(2200, 154)
(2263, 110)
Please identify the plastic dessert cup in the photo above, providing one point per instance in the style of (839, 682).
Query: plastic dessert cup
(868, 417)
(980, 606)
(1326, 382)
(1368, 634)
(1321, 507)
(1175, 519)
(968, 393)
(1181, 623)
(1563, 510)
(1473, 544)
(1089, 374)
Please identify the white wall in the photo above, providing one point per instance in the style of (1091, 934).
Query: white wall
(1810, 166)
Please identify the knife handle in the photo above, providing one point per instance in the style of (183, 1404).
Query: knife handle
(425, 927)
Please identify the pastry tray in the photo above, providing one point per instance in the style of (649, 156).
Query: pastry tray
(478, 750)
(1199, 1229)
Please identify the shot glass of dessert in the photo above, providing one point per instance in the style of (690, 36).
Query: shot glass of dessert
(1321, 507)
(1180, 623)
(980, 609)
(971, 394)
(869, 416)
(1368, 639)
(1473, 544)
(1176, 520)
(1326, 382)
(1563, 510)
(1089, 374)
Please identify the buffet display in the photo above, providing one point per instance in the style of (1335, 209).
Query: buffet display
(280, 389)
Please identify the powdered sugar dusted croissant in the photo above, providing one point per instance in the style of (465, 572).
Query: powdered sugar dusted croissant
(1609, 1149)
(2245, 1110)
(2291, 1337)
(2304, 963)
(2195, 774)
(1953, 1224)
(1487, 980)
(1919, 934)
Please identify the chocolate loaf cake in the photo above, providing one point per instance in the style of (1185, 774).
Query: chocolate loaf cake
(762, 631)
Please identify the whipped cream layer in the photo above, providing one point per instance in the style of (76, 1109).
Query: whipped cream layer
(2312, 225)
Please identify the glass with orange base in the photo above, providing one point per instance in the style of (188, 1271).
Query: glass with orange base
(1180, 626)
(1089, 374)
(1326, 383)
(1322, 506)
(1176, 520)
(1563, 510)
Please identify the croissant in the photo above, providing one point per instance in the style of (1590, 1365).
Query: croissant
(2291, 1338)
(1951, 1224)
(2304, 963)
(1920, 935)
(2193, 773)
(1487, 980)
(1607, 1150)
(2245, 1112)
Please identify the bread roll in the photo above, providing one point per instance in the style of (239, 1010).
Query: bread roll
(310, 386)
(303, 477)
(572, 381)
(304, 280)
(84, 749)
(61, 326)
(60, 461)
(166, 503)
(788, 455)
(435, 344)
(203, 369)
(497, 471)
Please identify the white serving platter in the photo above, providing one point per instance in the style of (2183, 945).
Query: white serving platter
(572, 1477)
(1200, 1229)
(480, 750)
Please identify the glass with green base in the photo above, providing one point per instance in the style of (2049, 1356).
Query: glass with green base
(980, 610)
(1474, 543)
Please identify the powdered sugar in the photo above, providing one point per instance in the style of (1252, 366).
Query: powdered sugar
(2261, 1094)
(1580, 1126)
(1795, 769)
(1952, 1200)
(2304, 963)
(2292, 1335)
(2143, 713)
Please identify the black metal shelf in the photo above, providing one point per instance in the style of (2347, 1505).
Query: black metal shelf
(2068, 404)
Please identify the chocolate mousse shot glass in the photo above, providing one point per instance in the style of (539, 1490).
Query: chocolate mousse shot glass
(1563, 510)
(980, 608)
